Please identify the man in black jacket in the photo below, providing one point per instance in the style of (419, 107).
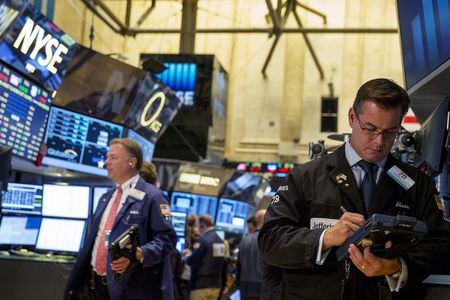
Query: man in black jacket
(206, 262)
(305, 222)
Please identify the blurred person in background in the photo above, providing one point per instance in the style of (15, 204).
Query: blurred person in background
(149, 173)
(249, 263)
(251, 224)
(207, 262)
(185, 276)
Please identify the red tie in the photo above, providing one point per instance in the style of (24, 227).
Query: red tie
(102, 249)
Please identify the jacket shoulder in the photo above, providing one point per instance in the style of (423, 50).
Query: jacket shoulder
(327, 161)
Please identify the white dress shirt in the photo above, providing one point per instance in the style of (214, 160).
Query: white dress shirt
(131, 183)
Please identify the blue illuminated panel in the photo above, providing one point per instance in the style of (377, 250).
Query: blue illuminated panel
(24, 110)
(425, 35)
(78, 142)
(19, 230)
(179, 223)
(181, 77)
(232, 215)
(22, 199)
(193, 204)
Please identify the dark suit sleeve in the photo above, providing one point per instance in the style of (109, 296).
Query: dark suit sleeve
(199, 252)
(162, 235)
(285, 239)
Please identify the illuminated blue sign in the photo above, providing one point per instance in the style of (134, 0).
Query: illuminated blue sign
(180, 77)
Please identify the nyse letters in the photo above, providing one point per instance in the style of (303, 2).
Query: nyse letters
(33, 34)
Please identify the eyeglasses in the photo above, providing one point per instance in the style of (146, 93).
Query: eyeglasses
(373, 132)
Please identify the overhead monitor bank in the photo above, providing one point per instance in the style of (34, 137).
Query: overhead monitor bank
(35, 56)
(120, 93)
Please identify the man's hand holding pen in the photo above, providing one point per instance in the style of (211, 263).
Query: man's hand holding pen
(343, 229)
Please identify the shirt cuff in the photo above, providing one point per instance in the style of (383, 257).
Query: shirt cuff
(396, 284)
(321, 256)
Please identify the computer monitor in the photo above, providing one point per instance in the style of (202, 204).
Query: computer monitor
(147, 147)
(232, 215)
(242, 186)
(66, 201)
(61, 235)
(23, 113)
(97, 193)
(5, 162)
(424, 35)
(181, 77)
(78, 142)
(34, 44)
(193, 204)
(22, 198)
(19, 230)
(179, 223)
(431, 140)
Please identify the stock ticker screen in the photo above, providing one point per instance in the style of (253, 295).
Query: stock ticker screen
(22, 198)
(78, 142)
(19, 230)
(24, 108)
(232, 215)
(194, 204)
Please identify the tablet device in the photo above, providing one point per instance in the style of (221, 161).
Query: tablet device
(403, 231)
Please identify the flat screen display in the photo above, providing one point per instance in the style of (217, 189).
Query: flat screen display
(62, 235)
(24, 108)
(98, 192)
(232, 215)
(19, 230)
(22, 199)
(34, 45)
(118, 92)
(425, 34)
(78, 142)
(65, 201)
(179, 223)
(147, 147)
(180, 77)
(193, 204)
(433, 136)
(242, 186)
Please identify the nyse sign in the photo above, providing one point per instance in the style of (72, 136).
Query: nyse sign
(186, 97)
(32, 39)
